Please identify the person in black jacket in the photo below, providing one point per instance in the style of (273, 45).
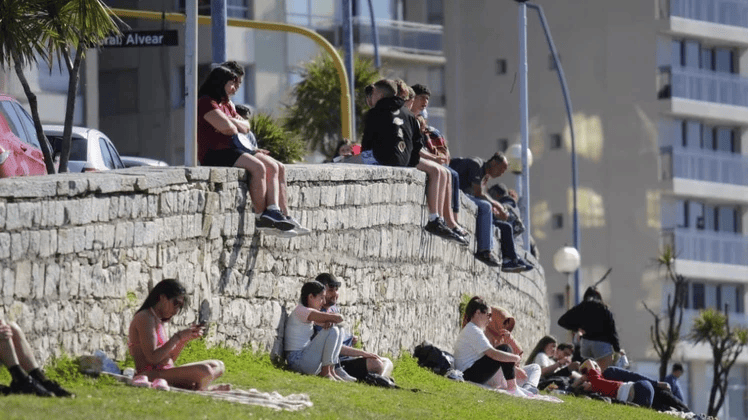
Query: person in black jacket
(594, 321)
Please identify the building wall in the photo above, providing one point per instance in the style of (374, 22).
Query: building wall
(79, 252)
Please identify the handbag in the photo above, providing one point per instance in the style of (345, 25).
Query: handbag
(245, 142)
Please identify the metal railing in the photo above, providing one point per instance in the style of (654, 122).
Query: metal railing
(704, 85)
(408, 36)
(726, 12)
(704, 165)
(708, 246)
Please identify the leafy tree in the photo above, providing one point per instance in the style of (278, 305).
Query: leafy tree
(665, 337)
(283, 145)
(315, 112)
(727, 343)
(54, 30)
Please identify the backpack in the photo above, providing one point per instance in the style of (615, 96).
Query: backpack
(431, 357)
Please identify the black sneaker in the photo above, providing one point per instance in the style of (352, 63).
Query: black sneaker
(487, 258)
(29, 386)
(512, 266)
(57, 389)
(277, 219)
(439, 228)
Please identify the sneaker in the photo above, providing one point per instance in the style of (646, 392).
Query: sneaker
(281, 233)
(57, 389)
(29, 386)
(439, 228)
(142, 381)
(344, 375)
(161, 384)
(512, 266)
(460, 231)
(487, 258)
(278, 220)
(300, 230)
(459, 238)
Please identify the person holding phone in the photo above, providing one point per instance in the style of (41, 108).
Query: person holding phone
(154, 354)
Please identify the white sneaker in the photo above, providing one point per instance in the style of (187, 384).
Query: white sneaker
(300, 230)
(344, 375)
(281, 233)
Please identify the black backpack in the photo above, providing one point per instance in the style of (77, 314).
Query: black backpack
(431, 357)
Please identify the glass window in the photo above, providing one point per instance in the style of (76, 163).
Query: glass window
(692, 54)
(683, 213)
(725, 141)
(697, 295)
(724, 60)
(707, 137)
(436, 84)
(115, 155)
(106, 154)
(697, 214)
(710, 296)
(14, 123)
(727, 219)
(241, 9)
(707, 59)
(28, 126)
(435, 12)
(677, 53)
(692, 134)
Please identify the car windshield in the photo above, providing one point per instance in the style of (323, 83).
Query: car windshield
(78, 147)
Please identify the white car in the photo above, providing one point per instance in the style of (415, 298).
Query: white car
(132, 161)
(90, 149)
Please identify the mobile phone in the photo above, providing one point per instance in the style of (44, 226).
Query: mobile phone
(203, 315)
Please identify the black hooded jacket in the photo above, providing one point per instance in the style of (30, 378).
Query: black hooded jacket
(595, 319)
(392, 133)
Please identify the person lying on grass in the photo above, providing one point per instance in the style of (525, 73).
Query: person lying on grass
(154, 355)
(318, 355)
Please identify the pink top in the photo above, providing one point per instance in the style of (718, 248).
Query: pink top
(134, 342)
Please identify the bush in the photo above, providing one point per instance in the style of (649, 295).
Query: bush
(282, 144)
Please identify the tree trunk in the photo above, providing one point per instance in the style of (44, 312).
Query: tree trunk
(43, 143)
(74, 75)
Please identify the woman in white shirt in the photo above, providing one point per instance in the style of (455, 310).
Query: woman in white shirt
(543, 354)
(316, 356)
(474, 355)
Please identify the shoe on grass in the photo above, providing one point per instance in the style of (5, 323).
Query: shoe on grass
(57, 389)
(31, 386)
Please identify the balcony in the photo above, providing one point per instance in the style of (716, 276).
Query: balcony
(708, 246)
(704, 165)
(703, 85)
(408, 37)
(736, 320)
(725, 12)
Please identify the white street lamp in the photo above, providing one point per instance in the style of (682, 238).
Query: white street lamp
(567, 261)
(514, 156)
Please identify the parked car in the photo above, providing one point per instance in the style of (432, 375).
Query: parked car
(131, 161)
(20, 151)
(90, 149)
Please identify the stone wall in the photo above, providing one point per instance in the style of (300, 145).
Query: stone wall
(79, 252)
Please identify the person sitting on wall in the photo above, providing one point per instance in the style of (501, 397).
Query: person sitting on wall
(474, 176)
(217, 124)
(27, 377)
(154, 354)
(353, 361)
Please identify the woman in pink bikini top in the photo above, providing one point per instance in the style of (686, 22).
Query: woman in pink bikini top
(154, 355)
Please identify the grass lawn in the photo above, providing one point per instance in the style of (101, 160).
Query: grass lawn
(438, 398)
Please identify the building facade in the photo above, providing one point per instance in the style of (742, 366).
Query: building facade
(660, 95)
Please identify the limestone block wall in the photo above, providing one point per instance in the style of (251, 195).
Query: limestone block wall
(79, 252)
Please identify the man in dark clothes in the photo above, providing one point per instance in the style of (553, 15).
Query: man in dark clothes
(474, 175)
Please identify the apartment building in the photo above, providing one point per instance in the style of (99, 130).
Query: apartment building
(136, 95)
(660, 95)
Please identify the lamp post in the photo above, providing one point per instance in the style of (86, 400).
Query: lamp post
(567, 260)
(514, 155)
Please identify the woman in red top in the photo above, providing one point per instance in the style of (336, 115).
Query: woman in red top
(217, 124)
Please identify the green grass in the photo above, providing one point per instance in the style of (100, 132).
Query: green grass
(437, 398)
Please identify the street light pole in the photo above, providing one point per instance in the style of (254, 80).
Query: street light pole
(523, 122)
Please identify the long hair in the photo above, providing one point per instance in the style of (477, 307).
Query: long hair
(170, 288)
(215, 84)
(475, 304)
(540, 347)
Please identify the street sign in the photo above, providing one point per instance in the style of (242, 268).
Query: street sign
(142, 39)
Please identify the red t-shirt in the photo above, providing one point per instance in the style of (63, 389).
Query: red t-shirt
(207, 137)
(601, 385)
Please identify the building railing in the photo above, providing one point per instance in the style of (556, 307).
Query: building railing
(708, 246)
(689, 315)
(703, 85)
(726, 12)
(704, 165)
(408, 36)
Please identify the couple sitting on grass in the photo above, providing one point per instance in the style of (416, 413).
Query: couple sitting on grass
(314, 341)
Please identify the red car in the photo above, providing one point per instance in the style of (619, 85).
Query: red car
(20, 152)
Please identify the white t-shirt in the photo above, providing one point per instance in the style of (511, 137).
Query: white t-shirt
(298, 329)
(543, 360)
(471, 345)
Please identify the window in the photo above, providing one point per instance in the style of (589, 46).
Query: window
(241, 9)
(697, 296)
(557, 222)
(682, 221)
(435, 12)
(716, 295)
(556, 141)
(28, 125)
(500, 66)
(502, 144)
(436, 84)
(118, 92)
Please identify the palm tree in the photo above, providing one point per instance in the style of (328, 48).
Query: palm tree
(52, 29)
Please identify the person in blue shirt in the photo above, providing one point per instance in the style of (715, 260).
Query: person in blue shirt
(672, 379)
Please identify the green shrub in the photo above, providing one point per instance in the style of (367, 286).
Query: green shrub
(282, 144)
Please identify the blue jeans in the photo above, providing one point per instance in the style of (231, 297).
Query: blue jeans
(483, 224)
(455, 189)
(643, 386)
(508, 251)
